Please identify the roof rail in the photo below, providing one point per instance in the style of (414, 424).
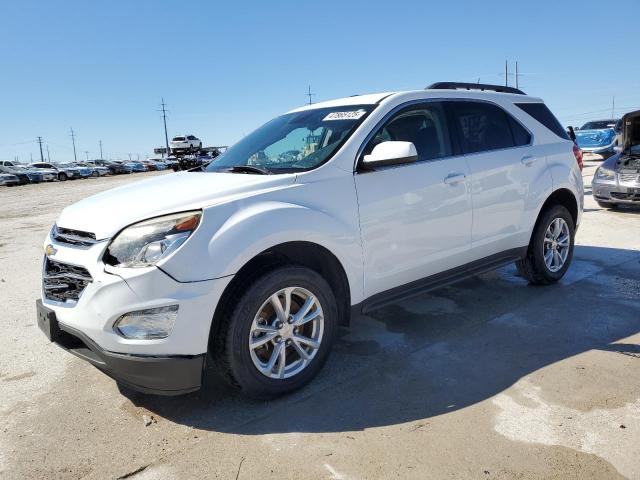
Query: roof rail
(473, 86)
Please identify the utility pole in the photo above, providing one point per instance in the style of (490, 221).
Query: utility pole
(613, 107)
(309, 94)
(164, 118)
(73, 140)
(40, 144)
(516, 74)
(506, 73)
(100, 142)
(129, 157)
(48, 155)
(86, 152)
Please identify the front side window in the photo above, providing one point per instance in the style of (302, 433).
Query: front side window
(294, 142)
(481, 126)
(424, 125)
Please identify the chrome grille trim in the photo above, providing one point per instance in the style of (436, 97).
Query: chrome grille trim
(62, 282)
(632, 178)
(76, 238)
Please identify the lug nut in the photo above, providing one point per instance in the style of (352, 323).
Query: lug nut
(279, 324)
(278, 339)
(288, 342)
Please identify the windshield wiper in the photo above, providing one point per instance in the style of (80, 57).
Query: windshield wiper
(247, 169)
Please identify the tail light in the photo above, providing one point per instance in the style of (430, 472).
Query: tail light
(578, 154)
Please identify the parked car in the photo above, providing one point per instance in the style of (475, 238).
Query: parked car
(597, 138)
(136, 166)
(159, 163)
(8, 179)
(114, 167)
(617, 180)
(255, 260)
(96, 170)
(83, 171)
(37, 175)
(185, 144)
(62, 172)
(22, 177)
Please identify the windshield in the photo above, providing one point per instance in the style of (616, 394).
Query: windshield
(598, 125)
(295, 141)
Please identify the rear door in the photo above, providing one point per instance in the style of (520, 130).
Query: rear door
(415, 219)
(504, 175)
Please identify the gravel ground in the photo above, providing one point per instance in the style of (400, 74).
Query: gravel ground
(489, 378)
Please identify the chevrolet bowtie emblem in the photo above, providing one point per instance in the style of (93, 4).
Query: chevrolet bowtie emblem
(50, 251)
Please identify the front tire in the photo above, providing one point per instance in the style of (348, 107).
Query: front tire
(62, 177)
(276, 334)
(551, 249)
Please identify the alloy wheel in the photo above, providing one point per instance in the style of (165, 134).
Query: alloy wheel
(286, 333)
(555, 248)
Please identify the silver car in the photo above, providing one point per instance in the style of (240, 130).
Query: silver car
(617, 180)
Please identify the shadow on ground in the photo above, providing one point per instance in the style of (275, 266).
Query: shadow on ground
(440, 352)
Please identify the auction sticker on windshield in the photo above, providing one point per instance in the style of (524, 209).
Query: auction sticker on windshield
(352, 115)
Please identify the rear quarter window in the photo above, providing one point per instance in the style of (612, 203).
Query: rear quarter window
(542, 114)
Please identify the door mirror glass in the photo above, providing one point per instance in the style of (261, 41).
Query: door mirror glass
(391, 153)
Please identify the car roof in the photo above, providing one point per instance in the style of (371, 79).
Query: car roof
(374, 98)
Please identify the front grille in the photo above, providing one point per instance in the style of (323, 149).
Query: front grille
(634, 197)
(73, 237)
(632, 178)
(62, 282)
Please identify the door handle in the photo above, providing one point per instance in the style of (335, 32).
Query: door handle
(528, 160)
(454, 178)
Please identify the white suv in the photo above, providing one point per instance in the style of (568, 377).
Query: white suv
(332, 209)
(185, 144)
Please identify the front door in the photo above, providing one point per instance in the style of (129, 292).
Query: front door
(415, 219)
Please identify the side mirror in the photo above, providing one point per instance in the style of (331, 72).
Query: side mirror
(571, 133)
(391, 153)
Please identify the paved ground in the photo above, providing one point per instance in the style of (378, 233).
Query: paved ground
(486, 379)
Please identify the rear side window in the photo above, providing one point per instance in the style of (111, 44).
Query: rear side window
(481, 126)
(520, 136)
(541, 113)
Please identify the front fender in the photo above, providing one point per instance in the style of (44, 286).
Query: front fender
(222, 248)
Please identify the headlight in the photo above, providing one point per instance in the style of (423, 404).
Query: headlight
(605, 173)
(146, 243)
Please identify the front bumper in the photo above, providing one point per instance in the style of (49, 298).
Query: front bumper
(161, 375)
(613, 191)
(111, 293)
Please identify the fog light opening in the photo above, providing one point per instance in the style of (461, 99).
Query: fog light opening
(149, 324)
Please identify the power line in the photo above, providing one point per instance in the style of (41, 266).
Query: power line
(73, 140)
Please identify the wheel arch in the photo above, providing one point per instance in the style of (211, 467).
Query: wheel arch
(304, 253)
(561, 196)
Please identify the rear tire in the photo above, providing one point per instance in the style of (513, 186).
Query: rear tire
(549, 256)
(249, 315)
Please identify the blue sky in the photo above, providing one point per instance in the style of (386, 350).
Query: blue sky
(226, 67)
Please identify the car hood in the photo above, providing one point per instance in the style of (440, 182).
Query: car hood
(108, 212)
(631, 130)
(595, 138)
